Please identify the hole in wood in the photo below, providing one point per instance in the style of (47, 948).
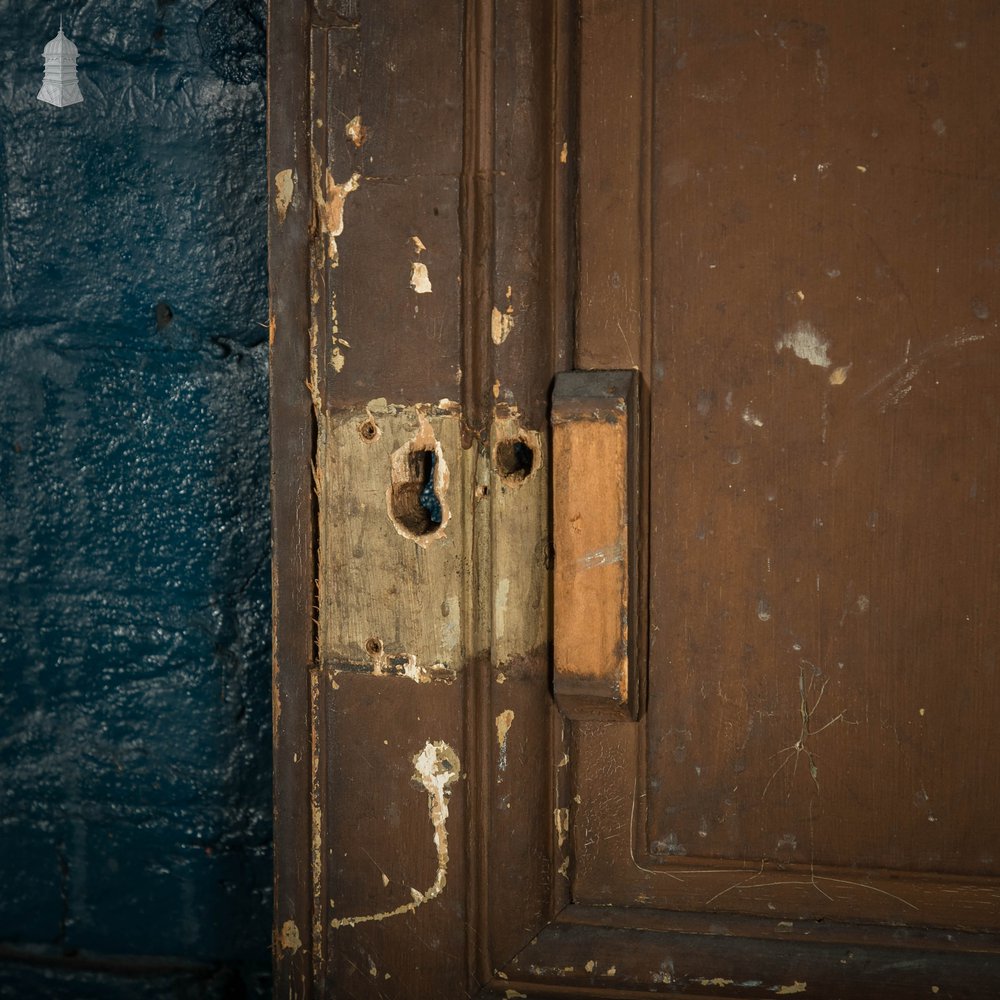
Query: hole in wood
(373, 646)
(368, 430)
(514, 459)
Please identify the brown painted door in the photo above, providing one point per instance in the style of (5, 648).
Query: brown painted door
(780, 778)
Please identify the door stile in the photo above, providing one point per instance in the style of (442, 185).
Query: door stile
(293, 507)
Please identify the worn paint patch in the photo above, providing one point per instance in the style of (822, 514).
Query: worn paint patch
(290, 939)
(420, 280)
(796, 987)
(806, 342)
(330, 198)
(383, 664)
(284, 191)
(561, 815)
(356, 131)
(839, 375)
(751, 419)
(436, 768)
(418, 244)
(504, 721)
(501, 324)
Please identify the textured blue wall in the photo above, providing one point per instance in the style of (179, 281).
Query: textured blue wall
(134, 598)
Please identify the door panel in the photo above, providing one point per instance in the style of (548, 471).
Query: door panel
(784, 220)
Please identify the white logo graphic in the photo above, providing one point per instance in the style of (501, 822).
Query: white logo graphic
(59, 86)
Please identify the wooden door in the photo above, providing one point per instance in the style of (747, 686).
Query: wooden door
(785, 218)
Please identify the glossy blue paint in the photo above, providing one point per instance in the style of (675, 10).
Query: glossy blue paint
(134, 558)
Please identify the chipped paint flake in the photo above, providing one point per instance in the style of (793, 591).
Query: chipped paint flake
(284, 191)
(436, 767)
(356, 131)
(418, 245)
(564, 153)
(504, 721)
(839, 375)
(290, 939)
(716, 981)
(510, 994)
(420, 281)
(501, 325)
(590, 965)
(330, 198)
(806, 342)
(562, 825)
(796, 987)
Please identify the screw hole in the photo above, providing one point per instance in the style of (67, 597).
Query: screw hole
(515, 459)
(373, 646)
(368, 430)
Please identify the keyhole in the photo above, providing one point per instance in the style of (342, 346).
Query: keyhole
(428, 498)
(416, 506)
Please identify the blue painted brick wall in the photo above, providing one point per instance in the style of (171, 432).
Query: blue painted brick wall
(134, 599)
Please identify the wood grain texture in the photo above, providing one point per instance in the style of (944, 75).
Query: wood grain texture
(595, 495)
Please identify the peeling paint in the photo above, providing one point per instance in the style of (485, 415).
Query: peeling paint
(330, 199)
(436, 768)
(562, 825)
(290, 939)
(420, 281)
(356, 131)
(806, 342)
(501, 324)
(284, 191)
(504, 721)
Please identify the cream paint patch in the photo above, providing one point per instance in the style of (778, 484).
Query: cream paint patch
(330, 198)
(806, 342)
(796, 987)
(420, 280)
(356, 131)
(501, 324)
(562, 825)
(284, 191)
(504, 721)
(290, 939)
(436, 767)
